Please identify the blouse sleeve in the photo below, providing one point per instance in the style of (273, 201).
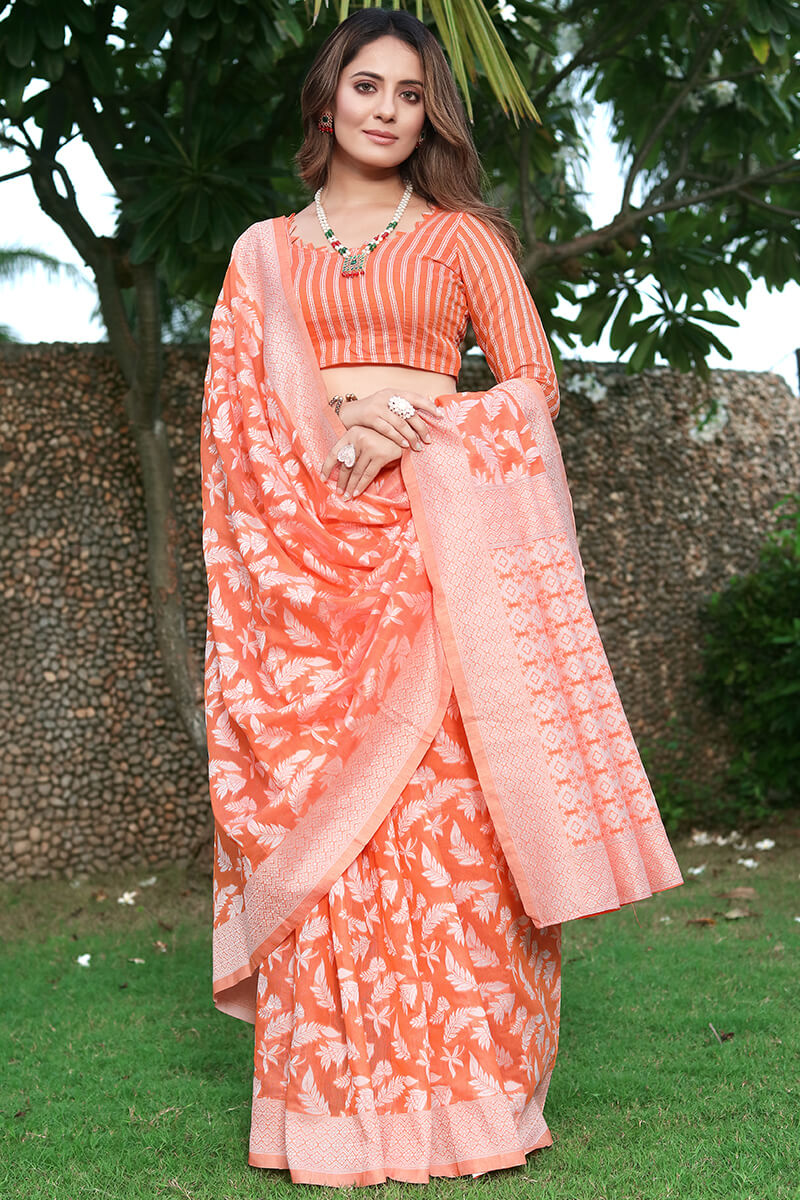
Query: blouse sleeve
(507, 326)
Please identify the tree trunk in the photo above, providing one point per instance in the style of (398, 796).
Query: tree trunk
(181, 663)
(143, 404)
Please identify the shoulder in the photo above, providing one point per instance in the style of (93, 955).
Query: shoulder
(254, 240)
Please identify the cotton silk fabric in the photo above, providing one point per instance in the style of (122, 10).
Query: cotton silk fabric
(419, 764)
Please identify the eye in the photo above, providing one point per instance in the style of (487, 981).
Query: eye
(415, 96)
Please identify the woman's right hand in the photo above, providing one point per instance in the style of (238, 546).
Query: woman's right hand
(373, 453)
(373, 412)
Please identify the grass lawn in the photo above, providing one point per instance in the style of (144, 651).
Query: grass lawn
(121, 1080)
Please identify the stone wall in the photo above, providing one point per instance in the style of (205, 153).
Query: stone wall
(96, 769)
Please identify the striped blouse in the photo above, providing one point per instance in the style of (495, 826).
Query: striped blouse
(411, 305)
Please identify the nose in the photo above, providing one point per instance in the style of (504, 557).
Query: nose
(385, 105)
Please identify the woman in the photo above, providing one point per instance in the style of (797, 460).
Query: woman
(419, 763)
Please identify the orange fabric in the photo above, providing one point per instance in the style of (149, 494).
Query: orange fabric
(338, 633)
(411, 305)
(409, 1027)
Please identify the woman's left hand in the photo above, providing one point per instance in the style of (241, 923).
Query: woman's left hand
(373, 452)
(373, 411)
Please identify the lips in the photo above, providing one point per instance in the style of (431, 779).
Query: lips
(384, 139)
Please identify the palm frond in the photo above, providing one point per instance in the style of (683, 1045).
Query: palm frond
(16, 259)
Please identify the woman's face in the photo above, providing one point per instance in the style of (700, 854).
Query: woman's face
(381, 89)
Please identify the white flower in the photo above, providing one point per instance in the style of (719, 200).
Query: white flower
(797, 918)
(696, 870)
(693, 102)
(748, 862)
(136, 960)
(507, 13)
(127, 898)
(700, 838)
(668, 920)
(590, 385)
(723, 91)
(148, 882)
(765, 844)
(83, 960)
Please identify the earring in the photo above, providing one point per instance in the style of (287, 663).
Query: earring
(421, 138)
(325, 122)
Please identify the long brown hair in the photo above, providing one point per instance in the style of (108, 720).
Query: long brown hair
(445, 169)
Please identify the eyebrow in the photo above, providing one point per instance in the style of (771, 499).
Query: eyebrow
(372, 75)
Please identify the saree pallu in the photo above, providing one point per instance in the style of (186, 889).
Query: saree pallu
(347, 643)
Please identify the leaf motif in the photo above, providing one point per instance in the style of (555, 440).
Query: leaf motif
(433, 870)
(457, 1021)
(434, 915)
(484, 1084)
(459, 976)
(268, 836)
(220, 616)
(481, 954)
(320, 989)
(311, 1098)
(463, 851)
(410, 813)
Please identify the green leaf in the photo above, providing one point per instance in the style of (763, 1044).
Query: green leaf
(716, 318)
(595, 312)
(20, 30)
(619, 334)
(150, 238)
(51, 64)
(644, 353)
(98, 64)
(193, 216)
(759, 15)
(78, 15)
(50, 26)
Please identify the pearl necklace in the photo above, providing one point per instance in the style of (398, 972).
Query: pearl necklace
(354, 260)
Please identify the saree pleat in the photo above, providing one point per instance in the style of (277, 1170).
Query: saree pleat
(409, 1027)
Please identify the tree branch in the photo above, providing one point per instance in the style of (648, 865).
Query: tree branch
(701, 58)
(628, 218)
(93, 250)
(94, 128)
(15, 174)
(595, 49)
(773, 208)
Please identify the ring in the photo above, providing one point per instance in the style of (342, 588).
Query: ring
(347, 454)
(401, 406)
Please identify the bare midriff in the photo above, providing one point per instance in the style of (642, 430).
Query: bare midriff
(364, 378)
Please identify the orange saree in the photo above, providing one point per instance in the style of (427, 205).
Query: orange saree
(419, 764)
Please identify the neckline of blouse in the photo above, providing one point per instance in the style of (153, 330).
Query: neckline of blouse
(297, 241)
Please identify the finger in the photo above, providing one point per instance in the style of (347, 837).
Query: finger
(392, 431)
(367, 478)
(426, 404)
(419, 431)
(344, 476)
(332, 461)
(356, 476)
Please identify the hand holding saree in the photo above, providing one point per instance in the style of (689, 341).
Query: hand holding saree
(339, 632)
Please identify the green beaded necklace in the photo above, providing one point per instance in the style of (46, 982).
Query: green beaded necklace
(355, 260)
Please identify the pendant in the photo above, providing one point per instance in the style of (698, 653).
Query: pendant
(353, 264)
